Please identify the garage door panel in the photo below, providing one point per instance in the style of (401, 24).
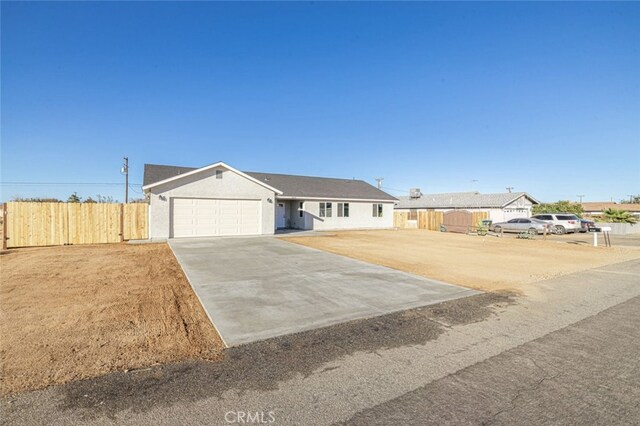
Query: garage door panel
(198, 217)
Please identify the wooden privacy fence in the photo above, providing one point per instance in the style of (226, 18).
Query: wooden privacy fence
(429, 219)
(49, 224)
(432, 220)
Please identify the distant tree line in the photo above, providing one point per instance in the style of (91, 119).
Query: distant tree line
(75, 198)
(608, 215)
(559, 207)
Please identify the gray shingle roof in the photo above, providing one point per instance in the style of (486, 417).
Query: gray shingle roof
(461, 200)
(290, 185)
(156, 172)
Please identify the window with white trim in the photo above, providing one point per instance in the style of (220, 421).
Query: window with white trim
(343, 209)
(218, 174)
(377, 210)
(301, 209)
(413, 214)
(325, 209)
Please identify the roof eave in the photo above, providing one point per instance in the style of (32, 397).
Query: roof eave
(333, 198)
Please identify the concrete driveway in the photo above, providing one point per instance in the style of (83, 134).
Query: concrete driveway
(262, 287)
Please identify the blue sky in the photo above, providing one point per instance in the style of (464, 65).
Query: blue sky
(544, 97)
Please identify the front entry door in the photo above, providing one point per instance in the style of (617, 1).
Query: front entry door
(282, 220)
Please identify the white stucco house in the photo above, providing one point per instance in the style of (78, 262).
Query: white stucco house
(500, 206)
(218, 200)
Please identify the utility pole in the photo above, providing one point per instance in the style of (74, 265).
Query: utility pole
(125, 172)
(379, 180)
(581, 197)
(509, 188)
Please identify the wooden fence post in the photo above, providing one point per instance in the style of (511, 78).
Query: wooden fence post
(4, 226)
(121, 222)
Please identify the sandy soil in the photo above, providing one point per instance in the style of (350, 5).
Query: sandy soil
(484, 263)
(74, 312)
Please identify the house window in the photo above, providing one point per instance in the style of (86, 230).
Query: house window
(377, 210)
(218, 174)
(413, 214)
(301, 209)
(343, 209)
(325, 209)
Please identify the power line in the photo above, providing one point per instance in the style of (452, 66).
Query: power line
(397, 190)
(135, 190)
(65, 183)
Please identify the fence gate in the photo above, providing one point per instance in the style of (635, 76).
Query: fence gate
(457, 220)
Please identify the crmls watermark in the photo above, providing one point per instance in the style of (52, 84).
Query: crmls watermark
(250, 417)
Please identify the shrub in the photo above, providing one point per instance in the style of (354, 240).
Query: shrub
(619, 216)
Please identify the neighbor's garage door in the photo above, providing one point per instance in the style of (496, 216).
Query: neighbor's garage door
(200, 217)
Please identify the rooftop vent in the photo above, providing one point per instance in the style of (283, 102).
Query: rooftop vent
(415, 193)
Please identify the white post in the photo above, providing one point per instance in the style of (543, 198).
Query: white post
(595, 239)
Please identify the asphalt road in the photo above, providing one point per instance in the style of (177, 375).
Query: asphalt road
(565, 351)
(587, 373)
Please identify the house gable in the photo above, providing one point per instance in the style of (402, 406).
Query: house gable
(202, 170)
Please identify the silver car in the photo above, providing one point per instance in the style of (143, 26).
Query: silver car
(531, 225)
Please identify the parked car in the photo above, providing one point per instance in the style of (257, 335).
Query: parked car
(587, 225)
(531, 225)
(564, 223)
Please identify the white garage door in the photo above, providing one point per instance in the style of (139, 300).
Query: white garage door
(201, 217)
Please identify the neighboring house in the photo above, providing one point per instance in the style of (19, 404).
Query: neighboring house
(218, 200)
(501, 206)
(597, 208)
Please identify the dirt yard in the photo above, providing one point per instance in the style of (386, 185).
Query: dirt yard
(75, 312)
(484, 263)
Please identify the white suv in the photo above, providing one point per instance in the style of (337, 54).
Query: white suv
(563, 222)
